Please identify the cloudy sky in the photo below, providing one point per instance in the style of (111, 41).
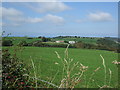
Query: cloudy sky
(58, 18)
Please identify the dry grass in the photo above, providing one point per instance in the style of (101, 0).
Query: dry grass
(104, 68)
(105, 79)
(35, 75)
(70, 80)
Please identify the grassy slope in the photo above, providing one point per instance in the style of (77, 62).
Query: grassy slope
(45, 58)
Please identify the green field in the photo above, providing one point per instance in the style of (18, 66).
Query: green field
(16, 40)
(45, 58)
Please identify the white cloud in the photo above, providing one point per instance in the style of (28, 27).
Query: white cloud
(43, 7)
(34, 20)
(81, 20)
(10, 12)
(14, 24)
(16, 18)
(100, 16)
(54, 19)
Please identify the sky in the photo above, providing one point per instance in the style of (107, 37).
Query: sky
(90, 19)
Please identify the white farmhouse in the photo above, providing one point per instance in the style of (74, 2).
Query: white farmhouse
(71, 42)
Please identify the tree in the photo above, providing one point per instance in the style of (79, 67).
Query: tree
(40, 37)
(66, 41)
(45, 39)
(75, 36)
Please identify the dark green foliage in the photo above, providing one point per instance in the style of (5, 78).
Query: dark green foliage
(14, 74)
(84, 45)
(66, 41)
(40, 37)
(89, 46)
(107, 44)
(67, 37)
(118, 50)
(7, 43)
(45, 39)
(29, 38)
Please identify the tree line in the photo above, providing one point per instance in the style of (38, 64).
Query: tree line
(101, 44)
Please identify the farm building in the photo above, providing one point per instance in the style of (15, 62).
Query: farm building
(71, 42)
(59, 41)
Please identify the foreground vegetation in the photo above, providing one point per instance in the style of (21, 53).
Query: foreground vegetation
(48, 66)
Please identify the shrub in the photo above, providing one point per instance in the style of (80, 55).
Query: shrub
(15, 73)
(7, 43)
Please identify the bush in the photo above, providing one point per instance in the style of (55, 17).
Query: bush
(14, 74)
(7, 43)
(107, 42)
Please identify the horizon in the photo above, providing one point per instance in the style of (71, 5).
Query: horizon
(62, 35)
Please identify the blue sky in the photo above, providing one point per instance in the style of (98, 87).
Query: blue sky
(60, 18)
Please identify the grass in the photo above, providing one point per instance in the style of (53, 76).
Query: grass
(49, 67)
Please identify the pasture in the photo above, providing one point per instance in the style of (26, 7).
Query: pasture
(49, 67)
